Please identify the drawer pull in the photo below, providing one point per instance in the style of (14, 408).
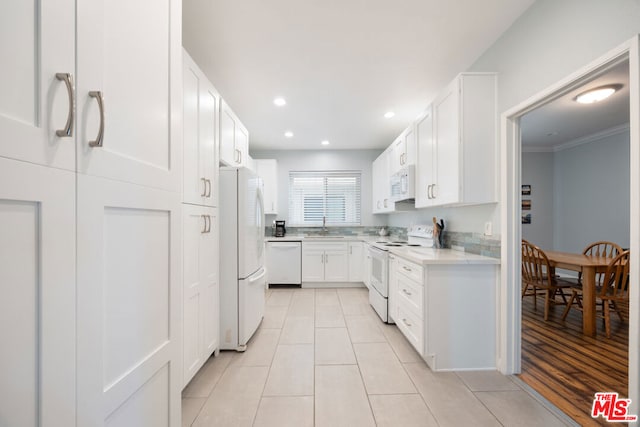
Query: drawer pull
(406, 292)
(406, 268)
(406, 323)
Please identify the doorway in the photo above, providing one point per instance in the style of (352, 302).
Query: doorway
(511, 209)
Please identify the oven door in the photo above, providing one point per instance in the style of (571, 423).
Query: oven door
(379, 271)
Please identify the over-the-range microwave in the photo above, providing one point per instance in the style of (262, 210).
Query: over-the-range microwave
(403, 184)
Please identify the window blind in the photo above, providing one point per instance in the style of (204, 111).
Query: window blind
(334, 195)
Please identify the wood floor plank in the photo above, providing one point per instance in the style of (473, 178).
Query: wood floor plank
(568, 368)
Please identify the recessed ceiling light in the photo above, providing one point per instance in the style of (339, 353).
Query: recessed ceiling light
(325, 142)
(280, 101)
(288, 134)
(597, 94)
(389, 114)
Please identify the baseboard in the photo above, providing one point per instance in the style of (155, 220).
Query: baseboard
(330, 285)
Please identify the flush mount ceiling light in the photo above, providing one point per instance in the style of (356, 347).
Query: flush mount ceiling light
(389, 114)
(279, 101)
(597, 94)
(325, 142)
(288, 134)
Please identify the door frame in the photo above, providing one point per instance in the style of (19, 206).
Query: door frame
(510, 313)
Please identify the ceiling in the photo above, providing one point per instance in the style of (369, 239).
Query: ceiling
(340, 64)
(563, 120)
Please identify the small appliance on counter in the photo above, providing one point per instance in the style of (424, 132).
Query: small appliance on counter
(280, 229)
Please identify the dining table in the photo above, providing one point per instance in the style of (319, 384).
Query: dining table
(589, 265)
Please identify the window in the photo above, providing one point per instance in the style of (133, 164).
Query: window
(333, 195)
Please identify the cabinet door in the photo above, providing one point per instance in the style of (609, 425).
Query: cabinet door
(377, 170)
(313, 261)
(336, 266)
(129, 93)
(37, 42)
(242, 144)
(447, 141)
(397, 155)
(200, 106)
(195, 225)
(356, 262)
(425, 165)
(385, 182)
(268, 171)
(410, 146)
(37, 284)
(228, 153)
(129, 318)
(209, 272)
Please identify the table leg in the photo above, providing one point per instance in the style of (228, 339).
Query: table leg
(589, 301)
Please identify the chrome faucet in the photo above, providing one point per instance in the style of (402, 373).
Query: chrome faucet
(324, 224)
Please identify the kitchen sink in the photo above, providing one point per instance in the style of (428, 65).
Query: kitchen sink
(323, 237)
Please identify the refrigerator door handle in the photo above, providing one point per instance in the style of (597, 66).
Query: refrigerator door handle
(260, 276)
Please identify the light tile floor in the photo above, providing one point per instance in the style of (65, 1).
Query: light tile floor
(323, 358)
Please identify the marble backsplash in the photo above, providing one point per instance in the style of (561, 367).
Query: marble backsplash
(474, 243)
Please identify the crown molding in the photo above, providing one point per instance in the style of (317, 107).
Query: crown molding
(607, 133)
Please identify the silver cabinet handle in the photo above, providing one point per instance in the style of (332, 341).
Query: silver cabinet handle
(208, 183)
(322, 258)
(204, 228)
(433, 191)
(99, 139)
(406, 268)
(406, 292)
(429, 192)
(68, 128)
(209, 221)
(326, 258)
(406, 323)
(204, 190)
(273, 206)
(385, 203)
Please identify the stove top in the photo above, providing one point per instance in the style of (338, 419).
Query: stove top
(419, 236)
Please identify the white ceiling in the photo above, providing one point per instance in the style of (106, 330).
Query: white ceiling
(564, 120)
(340, 64)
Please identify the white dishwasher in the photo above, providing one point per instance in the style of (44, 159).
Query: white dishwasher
(284, 263)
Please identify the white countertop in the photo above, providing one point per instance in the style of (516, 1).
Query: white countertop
(419, 255)
(425, 256)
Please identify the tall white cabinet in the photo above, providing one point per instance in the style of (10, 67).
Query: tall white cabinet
(234, 138)
(267, 169)
(456, 144)
(90, 213)
(201, 291)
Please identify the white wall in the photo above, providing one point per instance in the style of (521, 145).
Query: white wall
(592, 194)
(538, 171)
(310, 160)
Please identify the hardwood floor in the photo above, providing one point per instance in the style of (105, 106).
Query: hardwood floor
(566, 367)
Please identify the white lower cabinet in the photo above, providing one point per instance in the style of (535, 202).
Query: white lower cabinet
(447, 312)
(356, 262)
(325, 262)
(129, 315)
(201, 311)
(38, 288)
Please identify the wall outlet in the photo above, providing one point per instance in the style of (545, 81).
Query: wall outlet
(488, 228)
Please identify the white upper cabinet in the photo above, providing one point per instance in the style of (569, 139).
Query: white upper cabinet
(403, 151)
(381, 188)
(267, 169)
(234, 138)
(200, 125)
(129, 91)
(37, 48)
(457, 144)
(426, 165)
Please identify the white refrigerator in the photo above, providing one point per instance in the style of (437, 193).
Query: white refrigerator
(242, 271)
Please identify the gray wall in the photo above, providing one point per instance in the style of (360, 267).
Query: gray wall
(550, 41)
(301, 160)
(592, 194)
(538, 171)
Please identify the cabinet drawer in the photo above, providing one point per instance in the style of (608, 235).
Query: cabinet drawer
(411, 294)
(326, 246)
(411, 326)
(410, 269)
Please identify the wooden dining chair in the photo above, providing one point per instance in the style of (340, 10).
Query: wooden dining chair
(537, 275)
(600, 249)
(612, 291)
